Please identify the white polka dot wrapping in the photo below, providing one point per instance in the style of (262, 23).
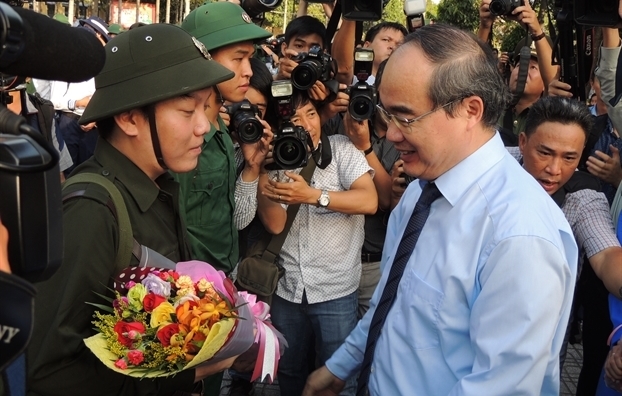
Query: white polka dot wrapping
(134, 274)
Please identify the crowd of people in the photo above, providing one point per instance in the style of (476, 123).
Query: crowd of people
(456, 241)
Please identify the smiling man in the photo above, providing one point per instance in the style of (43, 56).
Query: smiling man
(475, 295)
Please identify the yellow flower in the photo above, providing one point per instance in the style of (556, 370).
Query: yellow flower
(162, 314)
(203, 285)
(184, 282)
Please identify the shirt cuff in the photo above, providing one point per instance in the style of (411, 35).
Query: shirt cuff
(609, 58)
(245, 187)
(341, 364)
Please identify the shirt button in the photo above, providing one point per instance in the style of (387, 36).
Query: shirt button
(105, 172)
(515, 122)
(162, 197)
(371, 370)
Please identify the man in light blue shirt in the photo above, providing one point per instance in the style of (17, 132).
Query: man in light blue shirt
(484, 300)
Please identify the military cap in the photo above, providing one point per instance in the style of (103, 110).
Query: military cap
(223, 23)
(62, 18)
(148, 65)
(115, 28)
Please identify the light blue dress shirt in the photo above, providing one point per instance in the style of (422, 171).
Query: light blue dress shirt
(484, 301)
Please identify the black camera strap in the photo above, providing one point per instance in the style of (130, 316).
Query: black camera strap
(277, 241)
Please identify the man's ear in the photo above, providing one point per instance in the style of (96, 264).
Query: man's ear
(130, 122)
(522, 141)
(366, 44)
(283, 47)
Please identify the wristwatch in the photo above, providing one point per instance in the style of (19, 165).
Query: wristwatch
(324, 199)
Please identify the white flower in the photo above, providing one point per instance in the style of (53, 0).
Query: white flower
(155, 285)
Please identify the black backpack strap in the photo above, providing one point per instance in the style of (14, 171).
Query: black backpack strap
(578, 181)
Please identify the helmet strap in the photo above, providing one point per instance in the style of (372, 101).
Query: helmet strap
(155, 141)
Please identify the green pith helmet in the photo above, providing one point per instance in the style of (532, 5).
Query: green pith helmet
(62, 18)
(115, 28)
(149, 65)
(222, 23)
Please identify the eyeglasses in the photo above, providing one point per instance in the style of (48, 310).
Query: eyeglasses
(404, 124)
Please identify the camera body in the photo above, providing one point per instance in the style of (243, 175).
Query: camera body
(362, 10)
(363, 96)
(312, 66)
(291, 141)
(597, 13)
(504, 7)
(256, 8)
(244, 121)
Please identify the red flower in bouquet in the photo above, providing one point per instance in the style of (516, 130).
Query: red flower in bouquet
(151, 301)
(135, 357)
(126, 332)
(166, 333)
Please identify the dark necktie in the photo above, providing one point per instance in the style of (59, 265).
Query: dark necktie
(429, 194)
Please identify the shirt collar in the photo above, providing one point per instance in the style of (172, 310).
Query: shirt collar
(138, 184)
(454, 183)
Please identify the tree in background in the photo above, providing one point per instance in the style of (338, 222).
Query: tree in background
(461, 13)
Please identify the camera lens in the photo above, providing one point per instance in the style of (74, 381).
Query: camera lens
(305, 75)
(255, 7)
(289, 152)
(500, 7)
(361, 108)
(249, 130)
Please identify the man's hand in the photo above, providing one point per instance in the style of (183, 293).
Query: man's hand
(296, 191)
(606, 168)
(357, 131)
(525, 15)
(4, 249)
(286, 65)
(256, 153)
(339, 105)
(399, 183)
(322, 382)
(206, 369)
(88, 126)
(486, 19)
(81, 103)
(318, 91)
(613, 364)
(226, 118)
(558, 88)
(246, 361)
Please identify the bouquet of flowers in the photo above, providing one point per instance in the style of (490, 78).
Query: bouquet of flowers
(165, 321)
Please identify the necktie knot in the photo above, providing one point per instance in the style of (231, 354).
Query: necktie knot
(429, 194)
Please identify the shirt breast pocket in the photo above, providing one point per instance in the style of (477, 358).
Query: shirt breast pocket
(420, 306)
(208, 197)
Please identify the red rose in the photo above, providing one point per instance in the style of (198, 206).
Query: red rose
(166, 333)
(151, 301)
(123, 328)
(167, 275)
(135, 357)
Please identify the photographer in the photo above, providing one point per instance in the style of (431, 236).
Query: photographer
(316, 298)
(540, 71)
(370, 138)
(144, 133)
(382, 38)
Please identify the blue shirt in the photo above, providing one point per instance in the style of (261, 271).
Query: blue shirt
(485, 298)
(607, 138)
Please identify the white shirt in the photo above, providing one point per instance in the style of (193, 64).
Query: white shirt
(322, 252)
(485, 298)
(61, 92)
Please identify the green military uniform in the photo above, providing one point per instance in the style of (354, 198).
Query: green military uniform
(143, 67)
(518, 121)
(59, 361)
(208, 202)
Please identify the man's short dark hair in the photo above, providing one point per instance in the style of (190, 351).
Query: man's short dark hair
(561, 110)
(464, 66)
(304, 26)
(261, 80)
(374, 30)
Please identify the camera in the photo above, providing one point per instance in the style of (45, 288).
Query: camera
(244, 121)
(597, 13)
(362, 10)
(255, 8)
(504, 7)
(363, 96)
(312, 66)
(290, 142)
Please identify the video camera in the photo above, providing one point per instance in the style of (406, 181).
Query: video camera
(291, 142)
(312, 66)
(244, 121)
(363, 96)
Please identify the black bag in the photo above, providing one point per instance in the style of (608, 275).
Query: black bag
(259, 272)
